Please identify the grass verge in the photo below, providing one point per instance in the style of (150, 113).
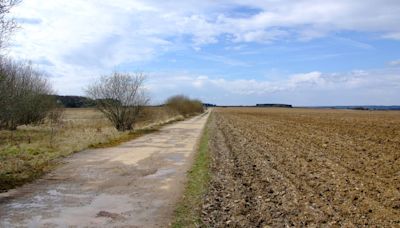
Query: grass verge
(24, 162)
(133, 135)
(123, 138)
(187, 213)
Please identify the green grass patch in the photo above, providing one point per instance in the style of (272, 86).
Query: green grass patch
(188, 210)
(124, 138)
(23, 164)
(132, 135)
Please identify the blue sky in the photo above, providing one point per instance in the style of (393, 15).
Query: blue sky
(314, 52)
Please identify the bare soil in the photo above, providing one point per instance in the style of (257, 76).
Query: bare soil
(133, 185)
(299, 167)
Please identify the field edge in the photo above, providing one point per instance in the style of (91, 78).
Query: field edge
(188, 209)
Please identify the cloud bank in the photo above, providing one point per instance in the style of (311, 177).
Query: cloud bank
(75, 41)
(303, 89)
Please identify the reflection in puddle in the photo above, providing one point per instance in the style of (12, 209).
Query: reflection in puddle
(175, 158)
(162, 173)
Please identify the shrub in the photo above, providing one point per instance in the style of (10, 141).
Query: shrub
(24, 94)
(121, 97)
(184, 105)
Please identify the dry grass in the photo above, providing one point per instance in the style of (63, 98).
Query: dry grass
(32, 150)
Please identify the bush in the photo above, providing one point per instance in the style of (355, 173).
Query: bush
(24, 95)
(184, 105)
(121, 97)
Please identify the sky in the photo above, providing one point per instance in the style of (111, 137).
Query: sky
(300, 52)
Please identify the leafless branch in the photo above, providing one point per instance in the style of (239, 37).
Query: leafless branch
(7, 24)
(120, 97)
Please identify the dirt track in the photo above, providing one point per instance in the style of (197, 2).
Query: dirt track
(133, 185)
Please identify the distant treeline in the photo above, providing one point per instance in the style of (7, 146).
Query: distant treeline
(360, 107)
(275, 105)
(85, 102)
(74, 101)
(256, 106)
(209, 105)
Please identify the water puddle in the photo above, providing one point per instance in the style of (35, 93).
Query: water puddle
(178, 158)
(163, 172)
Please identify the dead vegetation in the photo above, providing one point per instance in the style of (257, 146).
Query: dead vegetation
(281, 167)
(32, 150)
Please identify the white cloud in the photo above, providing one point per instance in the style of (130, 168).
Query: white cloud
(200, 81)
(307, 79)
(75, 39)
(326, 86)
(392, 35)
(224, 60)
(141, 27)
(394, 63)
(261, 36)
(323, 87)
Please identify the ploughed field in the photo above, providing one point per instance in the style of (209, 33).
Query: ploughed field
(303, 167)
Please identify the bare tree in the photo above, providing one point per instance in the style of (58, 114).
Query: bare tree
(24, 94)
(7, 24)
(121, 97)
